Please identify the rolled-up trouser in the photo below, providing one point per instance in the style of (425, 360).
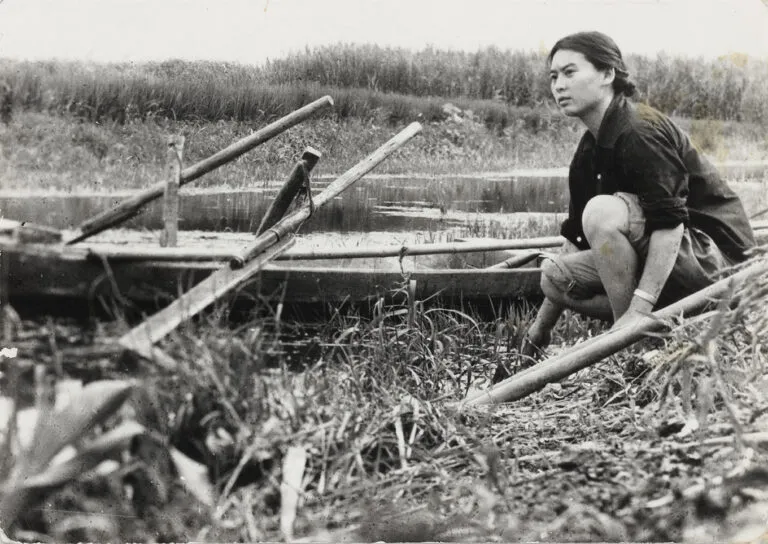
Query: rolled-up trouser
(698, 263)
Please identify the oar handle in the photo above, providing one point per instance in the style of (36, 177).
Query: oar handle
(287, 225)
(297, 178)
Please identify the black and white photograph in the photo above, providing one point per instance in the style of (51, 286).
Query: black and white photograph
(384, 271)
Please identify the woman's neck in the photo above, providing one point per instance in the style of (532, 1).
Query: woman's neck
(594, 117)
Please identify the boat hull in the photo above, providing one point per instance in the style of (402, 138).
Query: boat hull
(37, 270)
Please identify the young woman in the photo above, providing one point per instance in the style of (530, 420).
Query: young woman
(650, 219)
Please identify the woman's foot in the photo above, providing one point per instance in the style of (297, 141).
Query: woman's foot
(529, 353)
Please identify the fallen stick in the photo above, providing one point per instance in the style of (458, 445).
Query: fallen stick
(265, 248)
(131, 206)
(591, 351)
(142, 338)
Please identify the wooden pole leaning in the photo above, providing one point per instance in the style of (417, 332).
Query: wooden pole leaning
(131, 206)
(264, 249)
(587, 353)
(169, 236)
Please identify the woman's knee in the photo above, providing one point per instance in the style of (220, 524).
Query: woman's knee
(553, 282)
(563, 281)
(605, 214)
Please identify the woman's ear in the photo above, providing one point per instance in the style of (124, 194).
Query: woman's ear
(609, 74)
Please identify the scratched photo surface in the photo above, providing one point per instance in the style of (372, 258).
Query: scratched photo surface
(288, 270)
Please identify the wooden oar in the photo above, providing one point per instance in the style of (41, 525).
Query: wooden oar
(265, 248)
(131, 206)
(587, 353)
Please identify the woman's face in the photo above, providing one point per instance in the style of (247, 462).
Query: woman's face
(578, 87)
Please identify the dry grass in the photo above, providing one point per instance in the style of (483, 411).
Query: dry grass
(645, 445)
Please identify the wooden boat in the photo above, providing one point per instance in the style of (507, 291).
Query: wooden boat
(446, 275)
(113, 272)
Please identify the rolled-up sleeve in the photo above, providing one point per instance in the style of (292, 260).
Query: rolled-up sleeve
(652, 165)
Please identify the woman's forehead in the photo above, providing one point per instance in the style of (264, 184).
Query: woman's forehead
(564, 57)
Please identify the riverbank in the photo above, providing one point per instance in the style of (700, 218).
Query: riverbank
(43, 151)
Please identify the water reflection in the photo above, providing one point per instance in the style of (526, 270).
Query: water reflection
(373, 204)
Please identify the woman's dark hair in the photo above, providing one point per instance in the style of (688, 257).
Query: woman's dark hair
(602, 52)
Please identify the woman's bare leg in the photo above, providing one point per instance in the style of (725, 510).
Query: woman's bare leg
(606, 225)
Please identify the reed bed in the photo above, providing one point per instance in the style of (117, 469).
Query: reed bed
(660, 442)
(500, 86)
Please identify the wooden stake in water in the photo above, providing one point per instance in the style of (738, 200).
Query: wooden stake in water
(169, 236)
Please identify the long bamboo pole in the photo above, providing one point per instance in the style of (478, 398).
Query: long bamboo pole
(129, 207)
(118, 253)
(265, 248)
(587, 353)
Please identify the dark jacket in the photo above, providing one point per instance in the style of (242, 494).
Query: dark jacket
(641, 151)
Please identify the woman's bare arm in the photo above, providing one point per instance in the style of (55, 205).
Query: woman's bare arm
(663, 248)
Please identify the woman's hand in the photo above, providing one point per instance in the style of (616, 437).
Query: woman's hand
(632, 318)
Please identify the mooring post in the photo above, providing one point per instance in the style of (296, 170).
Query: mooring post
(169, 236)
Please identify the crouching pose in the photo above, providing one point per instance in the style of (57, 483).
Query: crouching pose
(650, 219)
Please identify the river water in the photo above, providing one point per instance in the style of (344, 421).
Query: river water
(526, 203)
